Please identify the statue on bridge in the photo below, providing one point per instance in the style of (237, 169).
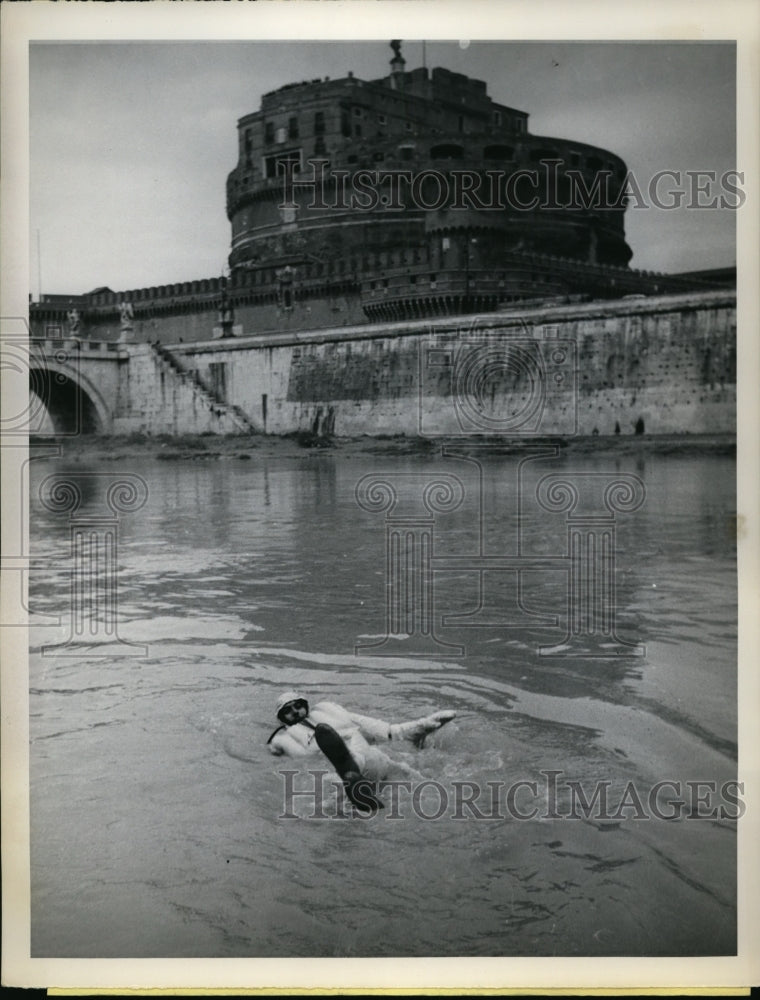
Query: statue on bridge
(126, 315)
(74, 321)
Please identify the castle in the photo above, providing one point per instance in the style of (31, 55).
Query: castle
(412, 196)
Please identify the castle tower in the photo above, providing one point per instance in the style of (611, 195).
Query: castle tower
(346, 182)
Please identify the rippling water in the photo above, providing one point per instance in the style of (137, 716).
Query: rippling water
(157, 813)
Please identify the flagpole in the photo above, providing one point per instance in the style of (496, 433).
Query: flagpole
(39, 269)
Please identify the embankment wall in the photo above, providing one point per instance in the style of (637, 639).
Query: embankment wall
(664, 364)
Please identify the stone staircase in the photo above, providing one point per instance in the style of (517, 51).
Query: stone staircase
(227, 412)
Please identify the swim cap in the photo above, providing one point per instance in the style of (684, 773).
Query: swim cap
(287, 697)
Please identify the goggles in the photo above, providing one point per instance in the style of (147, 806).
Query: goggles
(292, 706)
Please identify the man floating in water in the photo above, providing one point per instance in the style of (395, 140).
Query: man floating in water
(347, 739)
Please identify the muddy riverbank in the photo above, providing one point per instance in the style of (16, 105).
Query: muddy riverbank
(256, 446)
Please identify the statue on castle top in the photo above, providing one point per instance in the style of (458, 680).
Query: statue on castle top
(396, 46)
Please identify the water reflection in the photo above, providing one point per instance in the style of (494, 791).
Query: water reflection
(246, 577)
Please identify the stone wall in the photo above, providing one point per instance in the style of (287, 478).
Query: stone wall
(666, 364)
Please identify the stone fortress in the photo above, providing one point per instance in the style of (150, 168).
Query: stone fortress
(375, 222)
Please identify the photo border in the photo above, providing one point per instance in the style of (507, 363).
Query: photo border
(672, 20)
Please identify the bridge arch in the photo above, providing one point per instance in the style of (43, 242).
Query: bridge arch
(71, 400)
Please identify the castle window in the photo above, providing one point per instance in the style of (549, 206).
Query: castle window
(281, 135)
(272, 163)
(447, 151)
(409, 126)
(381, 120)
(319, 145)
(345, 124)
(357, 130)
(269, 132)
(293, 128)
(357, 112)
(406, 152)
(536, 155)
(319, 122)
(520, 124)
(497, 117)
(498, 152)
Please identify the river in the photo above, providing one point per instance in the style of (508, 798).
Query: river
(160, 822)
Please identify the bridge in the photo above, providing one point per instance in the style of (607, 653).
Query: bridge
(105, 387)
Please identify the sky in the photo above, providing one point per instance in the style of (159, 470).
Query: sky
(131, 142)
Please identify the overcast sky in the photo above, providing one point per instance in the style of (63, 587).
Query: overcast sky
(131, 143)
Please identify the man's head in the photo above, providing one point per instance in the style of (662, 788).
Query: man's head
(292, 707)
